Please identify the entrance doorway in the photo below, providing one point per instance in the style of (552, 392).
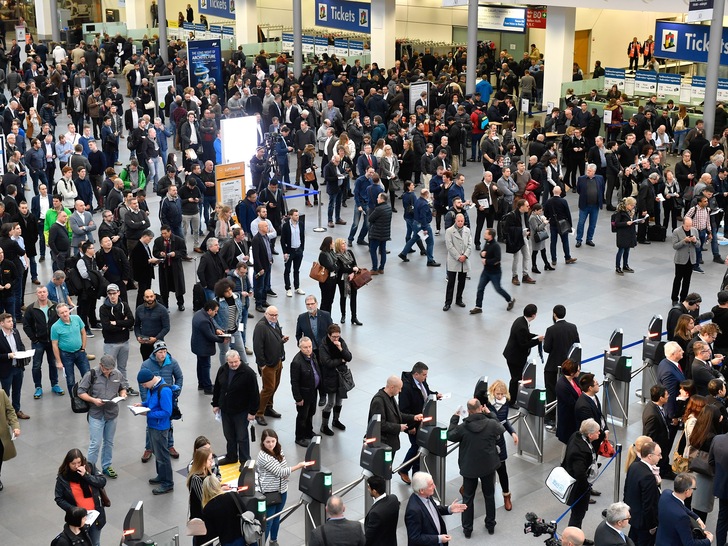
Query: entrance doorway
(582, 41)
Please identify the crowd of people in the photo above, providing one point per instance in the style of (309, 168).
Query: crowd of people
(348, 126)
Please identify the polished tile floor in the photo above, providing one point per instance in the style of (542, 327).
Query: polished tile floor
(403, 324)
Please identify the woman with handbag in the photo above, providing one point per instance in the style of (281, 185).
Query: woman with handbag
(308, 168)
(681, 456)
(79, 484)
(221, 513)
(539, 233)
(705, 430)
(327, 259)
(388, 172)
(200, 469)
(273, 476)
(673, 203)
(626, 235)
(333, 355)
(498, 398)
(346, 269)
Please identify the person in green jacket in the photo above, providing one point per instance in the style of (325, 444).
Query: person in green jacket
(133, 176)
(52, 215)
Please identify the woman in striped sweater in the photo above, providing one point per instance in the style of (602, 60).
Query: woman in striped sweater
(273, 474)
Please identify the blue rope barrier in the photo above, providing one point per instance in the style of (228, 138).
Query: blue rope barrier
(628, 346)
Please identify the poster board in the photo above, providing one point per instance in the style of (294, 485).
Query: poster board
(161, 83)
(230, 183)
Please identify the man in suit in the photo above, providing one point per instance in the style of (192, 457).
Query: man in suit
(263, 260)
(588, 407)
(642, 494)
(670, 375)
(82, 225)
(718, 460)
(394, 422)
(423, 517)
(293, 240)
(702, 367)
(519, 346)
(675, 527)
(610, 532)
(478, 459)
(590, 188)
(337, 529)
(415, 392)
(685, 241)
(380, 523)
(305, 381)
(268, 346)
(557, 341)
(314, 324)
(171, 251)
(656, 425)
(12, 370)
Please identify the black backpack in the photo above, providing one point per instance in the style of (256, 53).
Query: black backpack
(198, 297)
(613, 222)
(74, 281)
(78, 405)
(176, 390)
(132, 142)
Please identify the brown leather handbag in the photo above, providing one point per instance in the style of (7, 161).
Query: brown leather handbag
(361, 278)
(318, 272)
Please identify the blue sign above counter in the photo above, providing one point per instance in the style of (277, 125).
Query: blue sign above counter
(683, 42)
(343, 15)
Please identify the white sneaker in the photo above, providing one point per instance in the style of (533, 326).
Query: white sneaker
(300, 291)
(289, 293)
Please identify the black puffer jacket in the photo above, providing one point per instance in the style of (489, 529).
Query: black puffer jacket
(380, 222)
(478, 435)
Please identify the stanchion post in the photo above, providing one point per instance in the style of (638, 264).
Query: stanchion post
(320, 228)
(617, 471)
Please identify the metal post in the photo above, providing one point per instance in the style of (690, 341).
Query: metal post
(315, 516)
(297, 39)
(163, 44)
(711, 76)
(55, 23)
(435, 466)
(617, 471)
(472, 58)
(320, 228)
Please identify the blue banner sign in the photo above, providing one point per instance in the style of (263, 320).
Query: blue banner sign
(343, 15)
(683, 42)
(217, 8)
(645, 82)
(205, 63)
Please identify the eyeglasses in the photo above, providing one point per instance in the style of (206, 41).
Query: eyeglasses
(693, 488)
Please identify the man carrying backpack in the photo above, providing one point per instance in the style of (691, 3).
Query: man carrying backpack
(159, 425)
(159, 365)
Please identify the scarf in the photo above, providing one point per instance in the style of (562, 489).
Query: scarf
(75, 477)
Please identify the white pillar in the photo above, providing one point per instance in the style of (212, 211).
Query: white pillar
(138, 14)
(383, 17)
(558, 52)
(246, 22)
(44, 20)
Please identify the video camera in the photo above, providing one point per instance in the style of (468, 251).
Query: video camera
(537, 527)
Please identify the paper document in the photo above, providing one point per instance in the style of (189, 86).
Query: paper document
(446, 396)
(483, 203)
(115, 400)
(227, 335)
(24, 354)
(640, 220)
(712, 213)
(423, 234)
(138, 410)
(660, 197)
(91, 516)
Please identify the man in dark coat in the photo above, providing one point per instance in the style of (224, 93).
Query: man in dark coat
(519, 346)
(202, 343)
(306, 379)
(114, 265)
(588, 407)
(314, 318)
(142, 265)
(339, 530)
(263, 260)
(236, 396)
(211, 268)
(557, 341)
(478, 459)
(656, 426)
(394, 422)
(422, 529)
(612, 531)
(380, 523)
(171, 251)
(269, 350)
(380, 231)
(642, 494)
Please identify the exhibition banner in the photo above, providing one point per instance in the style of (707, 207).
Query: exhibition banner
(501, 18)
(205, 62)
(697, 89)
(669, 85)
(613, 76)
(217, 8)
(343, 15)
(645, 82)
(684, 42)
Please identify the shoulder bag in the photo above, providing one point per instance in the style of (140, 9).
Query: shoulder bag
(318, 272)
(679, 463)
(541, 235)
(564, 226)
(346, 379)
(560, 483)
(698, 463)
(250, 528)
(362, 277)
(196, 528)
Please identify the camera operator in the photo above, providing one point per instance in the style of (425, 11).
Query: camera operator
(572, 536)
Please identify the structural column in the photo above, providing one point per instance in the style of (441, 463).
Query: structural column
(472, 59)
(46, 20)
(297, 38)
(383, 33)
(138, 15)
(559, 52)
(711, 76)
(246, 22)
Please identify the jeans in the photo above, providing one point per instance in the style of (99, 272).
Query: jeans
(381, 247)
(12, 385)
(170, 439)
(722, 524)
(208, 204)
(564, 242)
(41, 238)
(40, 348)
(359, 215)
(94, 533)
(235, 342)
(101, 430)
(470, 486)
(203, 372)
(120, 351)
(156, 171)
(272, 526)
(411, 452)
(412, 226)
(235, 430)
(294, 258)
(194, 220)
(592, 212)
(335, 205)
(429, 243)
(703, 233)
(159, 439)
(490, 276)
(259, 287)
(69, 360)
(623, 257)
